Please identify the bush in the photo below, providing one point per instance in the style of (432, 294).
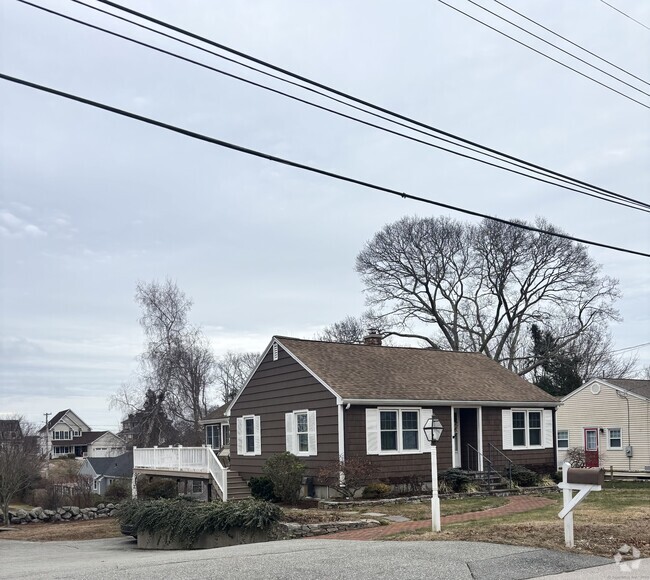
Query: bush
(118, 491)
(285, 471)
(357, 472)
(185, 521)
(160, 488)
(455, 479)
(376, 490)
(524, 477)
(262, 488)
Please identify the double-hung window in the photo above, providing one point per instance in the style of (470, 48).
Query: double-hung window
(301, 434)
(563, 439)
(614, 439)
(213, 436)
(529, 428)
(392, 431)
(249, 436)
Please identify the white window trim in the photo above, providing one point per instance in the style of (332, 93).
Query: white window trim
(423, 446)
(548, 437)
(609, 447)
(241, 436)
(291, 431)
(557, 438)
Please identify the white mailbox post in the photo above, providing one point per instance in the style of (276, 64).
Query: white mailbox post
(583, 481)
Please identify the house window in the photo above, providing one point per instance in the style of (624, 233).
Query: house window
(614, 438)
(388, 430)
(249, 440)
(563, 439)
(213, 436)
(392, 431)
(527, 428)
(62, 435)
(250, 435)
(225, 434)
(301, 435)
(94, 485)
(197, 486)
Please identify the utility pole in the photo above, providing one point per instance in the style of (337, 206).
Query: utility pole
(47, 441)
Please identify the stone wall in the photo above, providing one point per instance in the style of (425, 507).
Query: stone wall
(63, 514)
(292, 530)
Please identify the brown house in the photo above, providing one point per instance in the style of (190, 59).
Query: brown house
(323, 400)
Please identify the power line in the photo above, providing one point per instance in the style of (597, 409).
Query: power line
(528, 46)
(582, 60)
(631, 347)
(626, 15)
(571, 42)
(309, 168)
(634, 204)
(350, 97)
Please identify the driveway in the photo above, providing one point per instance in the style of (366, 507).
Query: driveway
(119, 558)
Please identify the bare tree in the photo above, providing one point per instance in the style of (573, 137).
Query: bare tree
(350, 330)
(21, 462)
(232, 371)
(594, 349)
(177, 367)
(480, 287)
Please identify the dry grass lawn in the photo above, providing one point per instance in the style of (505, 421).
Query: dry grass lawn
(64, 531)
(602, 524)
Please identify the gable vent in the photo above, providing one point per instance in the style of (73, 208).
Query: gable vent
(275, 351)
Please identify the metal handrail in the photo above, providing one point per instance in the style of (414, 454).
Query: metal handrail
(509, 464)
(489, 462)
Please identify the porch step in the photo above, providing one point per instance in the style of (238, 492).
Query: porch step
(237, 487)
(487, 480)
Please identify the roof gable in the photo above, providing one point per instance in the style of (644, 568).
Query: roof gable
(637, 388)
(68, 416)
(120, 466)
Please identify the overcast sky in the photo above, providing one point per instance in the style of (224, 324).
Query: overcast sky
(91, 203)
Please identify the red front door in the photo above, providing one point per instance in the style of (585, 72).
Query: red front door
(591, 447)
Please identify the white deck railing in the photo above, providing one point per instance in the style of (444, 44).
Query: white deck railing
(183, 459)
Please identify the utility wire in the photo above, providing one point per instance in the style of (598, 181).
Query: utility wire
(639, 206)
(571, 42)
(309, 168)
(351, 97)
(626, 15)
(542, 54)
(582, 60)
(631, 347)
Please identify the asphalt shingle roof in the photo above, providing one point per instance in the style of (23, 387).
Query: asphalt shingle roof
(120, 466)
(356, 371)
(637, 386)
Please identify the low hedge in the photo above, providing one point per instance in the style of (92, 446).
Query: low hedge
(184, 521)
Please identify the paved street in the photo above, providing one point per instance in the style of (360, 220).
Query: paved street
(297, 559)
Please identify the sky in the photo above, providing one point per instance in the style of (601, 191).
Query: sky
(92, 203)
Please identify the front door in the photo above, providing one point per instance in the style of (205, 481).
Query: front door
(591, 447)
(456, 437)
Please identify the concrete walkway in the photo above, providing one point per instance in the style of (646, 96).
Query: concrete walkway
(516, 504)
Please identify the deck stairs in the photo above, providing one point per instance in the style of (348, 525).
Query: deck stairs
(237, 487)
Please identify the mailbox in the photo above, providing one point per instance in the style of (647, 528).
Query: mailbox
(589, 476)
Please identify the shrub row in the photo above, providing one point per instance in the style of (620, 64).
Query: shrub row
(184, 521)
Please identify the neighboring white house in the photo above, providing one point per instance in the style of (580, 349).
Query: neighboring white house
(106, 470)
(610, 419)
(67, 434)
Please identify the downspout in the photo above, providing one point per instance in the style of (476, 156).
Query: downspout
(341, 425)
(629, 444)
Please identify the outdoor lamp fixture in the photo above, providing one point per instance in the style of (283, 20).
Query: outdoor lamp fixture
(432, 431)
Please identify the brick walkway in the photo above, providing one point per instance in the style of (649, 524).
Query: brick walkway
(516, 504)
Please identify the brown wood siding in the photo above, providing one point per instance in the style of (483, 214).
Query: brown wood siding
(538, 459)
(395, 467)
(279, 387)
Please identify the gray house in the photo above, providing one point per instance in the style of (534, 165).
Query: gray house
(106, 470)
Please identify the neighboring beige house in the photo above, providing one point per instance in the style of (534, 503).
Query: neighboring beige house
(610, 419)
(67, 434)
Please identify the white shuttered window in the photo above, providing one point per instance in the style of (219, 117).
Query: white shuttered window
(249, 435)
(527, 428)
(301, 432)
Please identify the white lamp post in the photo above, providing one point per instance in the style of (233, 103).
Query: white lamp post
(432, 431)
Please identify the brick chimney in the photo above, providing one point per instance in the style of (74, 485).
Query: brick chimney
(373, 338)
